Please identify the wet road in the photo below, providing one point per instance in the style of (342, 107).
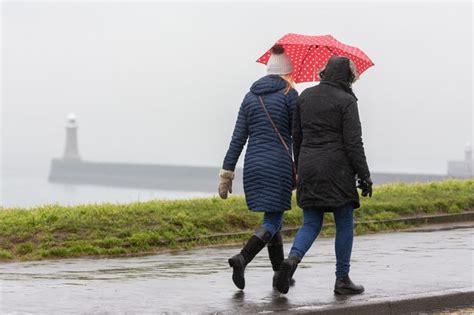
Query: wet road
(388, 265)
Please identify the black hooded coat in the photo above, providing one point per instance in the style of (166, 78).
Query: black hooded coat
(327, 141)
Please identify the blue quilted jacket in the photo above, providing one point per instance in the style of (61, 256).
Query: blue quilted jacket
(267, 167)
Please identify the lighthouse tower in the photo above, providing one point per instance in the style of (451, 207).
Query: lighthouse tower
(71, 152)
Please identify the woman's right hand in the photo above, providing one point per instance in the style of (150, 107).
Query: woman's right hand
(366, 186)
(225, 183)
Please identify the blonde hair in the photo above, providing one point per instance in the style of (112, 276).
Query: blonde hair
(290, 84)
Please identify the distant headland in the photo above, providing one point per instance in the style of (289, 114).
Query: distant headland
(71, 168)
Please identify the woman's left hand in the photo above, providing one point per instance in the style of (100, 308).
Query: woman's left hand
(225, 183)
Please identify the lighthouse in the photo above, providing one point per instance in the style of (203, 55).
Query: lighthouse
(71, 152)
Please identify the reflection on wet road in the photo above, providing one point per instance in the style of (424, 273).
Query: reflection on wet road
(199, 280)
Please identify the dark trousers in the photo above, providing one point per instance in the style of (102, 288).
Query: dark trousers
(313, 222)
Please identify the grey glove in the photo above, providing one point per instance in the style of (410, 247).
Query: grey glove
(225, 183)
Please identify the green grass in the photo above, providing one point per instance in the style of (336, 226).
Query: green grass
(56, 231)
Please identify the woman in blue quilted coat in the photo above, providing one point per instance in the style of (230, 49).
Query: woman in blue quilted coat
(268, 170)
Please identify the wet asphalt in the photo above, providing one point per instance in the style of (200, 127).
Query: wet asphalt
(388, 265)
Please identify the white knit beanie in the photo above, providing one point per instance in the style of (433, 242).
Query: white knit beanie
(279, 63)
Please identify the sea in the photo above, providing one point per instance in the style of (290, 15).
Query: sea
(34, 189)
(24, 188)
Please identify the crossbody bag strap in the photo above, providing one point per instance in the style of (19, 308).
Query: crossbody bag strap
(275, 127)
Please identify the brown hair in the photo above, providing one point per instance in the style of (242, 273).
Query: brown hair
(290, 84)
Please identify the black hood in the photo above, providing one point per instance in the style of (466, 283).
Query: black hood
(338, 73)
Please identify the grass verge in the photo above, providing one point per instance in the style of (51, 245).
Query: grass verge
(56, 231)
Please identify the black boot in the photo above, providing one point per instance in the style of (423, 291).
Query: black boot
(276, 255)
(287, 269)
(250, 250)
(344, 285)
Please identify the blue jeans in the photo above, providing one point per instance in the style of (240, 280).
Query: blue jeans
(272, 221)
(313, 222)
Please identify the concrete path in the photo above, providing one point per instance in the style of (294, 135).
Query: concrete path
(391, 266)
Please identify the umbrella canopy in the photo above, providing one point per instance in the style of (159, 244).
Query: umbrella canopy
(309, 54)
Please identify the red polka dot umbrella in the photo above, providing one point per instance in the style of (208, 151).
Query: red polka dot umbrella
(309, 54)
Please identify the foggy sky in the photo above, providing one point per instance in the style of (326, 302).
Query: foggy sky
(163, 82)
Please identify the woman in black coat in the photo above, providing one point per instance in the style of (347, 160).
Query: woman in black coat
(328, 149)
